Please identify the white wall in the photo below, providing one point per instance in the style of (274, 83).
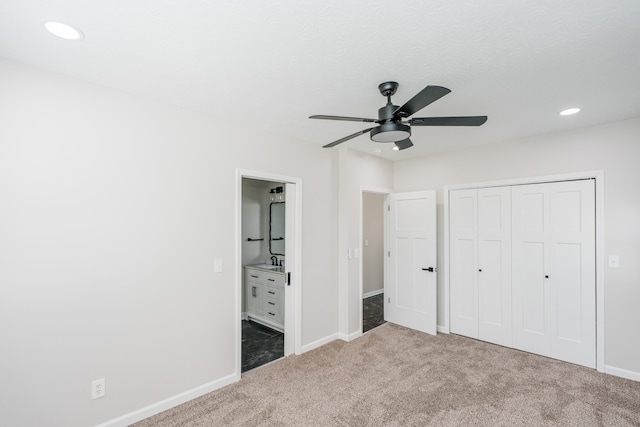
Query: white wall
(112, 211)
(613, 148)
(372, 242)
(356, 170)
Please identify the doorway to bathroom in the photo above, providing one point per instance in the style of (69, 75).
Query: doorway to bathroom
(268, 262)
(372, 272)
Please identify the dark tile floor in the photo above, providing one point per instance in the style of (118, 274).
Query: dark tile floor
(372, 312)
(260, 345)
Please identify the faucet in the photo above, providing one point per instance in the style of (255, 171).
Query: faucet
(274, 260)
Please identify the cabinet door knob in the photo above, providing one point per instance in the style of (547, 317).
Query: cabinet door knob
(480, 270)
(546, 277)
(430, 269)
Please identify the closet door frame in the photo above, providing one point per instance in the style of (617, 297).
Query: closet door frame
(598, 177)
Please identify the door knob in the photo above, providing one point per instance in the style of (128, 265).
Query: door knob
(431, 269)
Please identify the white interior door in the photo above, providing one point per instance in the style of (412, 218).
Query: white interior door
(554, 270)
(410, 290)
(494, 265)
(480, 263)
(463, 277)
(572, 272)
(530, 266)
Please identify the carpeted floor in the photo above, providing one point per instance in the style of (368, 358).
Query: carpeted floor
(393, 376)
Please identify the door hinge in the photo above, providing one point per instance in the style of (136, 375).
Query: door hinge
(389, 208)
(389, 253)
(289, 279)
(389, 300)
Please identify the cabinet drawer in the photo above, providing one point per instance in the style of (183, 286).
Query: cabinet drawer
(273, 304)
(273, 310)
(273, 293)
(274, 279)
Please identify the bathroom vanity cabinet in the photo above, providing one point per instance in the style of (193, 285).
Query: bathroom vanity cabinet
(264, 296)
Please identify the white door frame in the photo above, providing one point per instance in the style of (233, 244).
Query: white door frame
(385, 192)
(294, 266)
(598, 176)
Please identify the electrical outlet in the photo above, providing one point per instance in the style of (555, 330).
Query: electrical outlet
(97, 388)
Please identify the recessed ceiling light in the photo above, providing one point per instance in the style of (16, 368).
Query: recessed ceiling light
(395, 148)
(569, 111)
(64, 31)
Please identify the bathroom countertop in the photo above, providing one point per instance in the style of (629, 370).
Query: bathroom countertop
(268, 267)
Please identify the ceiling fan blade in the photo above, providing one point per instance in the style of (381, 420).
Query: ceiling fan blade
(348, 119)
(425, 97)
(448, 121)
(404, 144)
(346, 138)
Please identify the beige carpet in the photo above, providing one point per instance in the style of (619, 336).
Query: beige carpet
(393, 376)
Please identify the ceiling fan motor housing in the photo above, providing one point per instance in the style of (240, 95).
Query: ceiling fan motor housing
(386, 113)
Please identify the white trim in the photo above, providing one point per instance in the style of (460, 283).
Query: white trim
(600, 284)
(294, 266)
(526, 180)
(622, 373)
(385, 192)
(442, 329)
(373, 293)
(320, 342)
(350, 337)
(171, 402)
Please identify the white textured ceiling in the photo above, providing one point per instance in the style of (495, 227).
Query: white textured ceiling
(271, 64)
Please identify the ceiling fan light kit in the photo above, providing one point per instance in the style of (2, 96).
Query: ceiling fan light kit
(391, 128)
(390, 132)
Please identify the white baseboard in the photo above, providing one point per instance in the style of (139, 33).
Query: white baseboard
(349, 337)
(319, 343)
(171, 402)
(373, 293)
(630, 375)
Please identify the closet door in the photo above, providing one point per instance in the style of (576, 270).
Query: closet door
(572, 272)
(554, 270)
(463, 264)
(494, 265)
(480, 258)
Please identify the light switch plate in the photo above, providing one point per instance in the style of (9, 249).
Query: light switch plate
(356, 253)
(217, 265)
(614, 261)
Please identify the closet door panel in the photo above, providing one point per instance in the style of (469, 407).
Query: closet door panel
(494, 265)
(572, 271)
(463, 262)
(529, 284)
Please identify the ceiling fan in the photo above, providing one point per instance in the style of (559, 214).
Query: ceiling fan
(392, 128)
